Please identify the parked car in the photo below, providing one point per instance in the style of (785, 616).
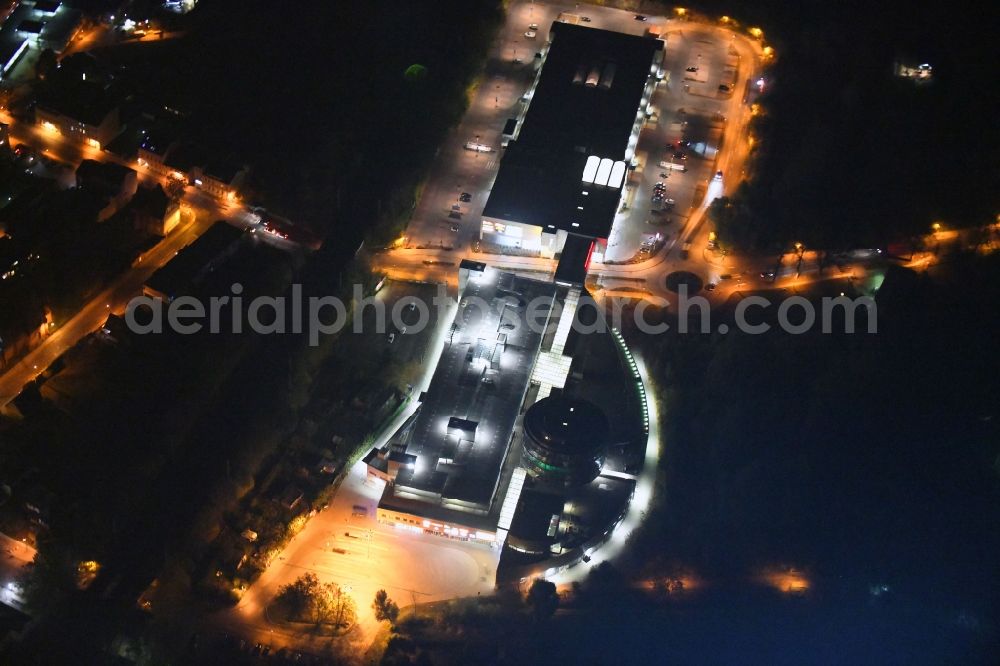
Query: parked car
(691, 69)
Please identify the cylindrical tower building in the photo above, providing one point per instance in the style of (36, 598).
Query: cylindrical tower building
(565, 440)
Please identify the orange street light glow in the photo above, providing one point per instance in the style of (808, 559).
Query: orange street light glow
(786, 581)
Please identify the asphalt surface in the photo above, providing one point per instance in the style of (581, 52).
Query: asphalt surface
(361, 556)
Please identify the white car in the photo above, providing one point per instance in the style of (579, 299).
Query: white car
(531, 34)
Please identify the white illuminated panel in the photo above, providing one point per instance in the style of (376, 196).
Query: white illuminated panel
(590, 170)
(565, 321)
(510, 501)
(617, 175)
(603, 172)
(551, 370)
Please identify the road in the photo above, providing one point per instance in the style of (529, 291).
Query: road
(199, 212)
(112, 299)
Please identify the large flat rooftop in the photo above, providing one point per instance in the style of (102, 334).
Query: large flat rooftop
(586, 105)
(589, 91)
(464, 424)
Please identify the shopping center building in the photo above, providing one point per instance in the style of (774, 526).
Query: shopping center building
(564, 171)
(531, 433)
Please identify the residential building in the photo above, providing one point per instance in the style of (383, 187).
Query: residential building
(86, 113)
(152, 153)
(155, 212)
(222, 178)
(184, 161)
(116, 183)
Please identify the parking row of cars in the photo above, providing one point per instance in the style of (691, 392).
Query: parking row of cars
(660, 195)
(247, 652)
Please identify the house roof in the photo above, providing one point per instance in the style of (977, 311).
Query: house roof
(84, 101)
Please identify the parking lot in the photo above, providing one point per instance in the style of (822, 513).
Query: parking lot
(677, 148)
(688, 107)
(348, 546)
(393, 328)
